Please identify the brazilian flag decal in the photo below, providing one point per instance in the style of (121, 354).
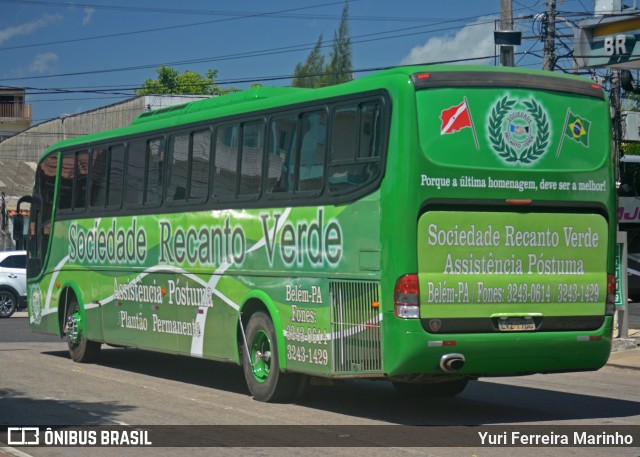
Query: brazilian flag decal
(577, 129)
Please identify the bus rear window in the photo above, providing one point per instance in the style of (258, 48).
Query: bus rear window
(513, 128)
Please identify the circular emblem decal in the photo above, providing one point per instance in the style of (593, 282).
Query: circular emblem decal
(35, 303)
(518, 130)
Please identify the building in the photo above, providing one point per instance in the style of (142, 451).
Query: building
(19, 152)
(15, 116)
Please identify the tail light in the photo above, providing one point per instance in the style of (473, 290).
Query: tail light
(406, 297)
(610, 308)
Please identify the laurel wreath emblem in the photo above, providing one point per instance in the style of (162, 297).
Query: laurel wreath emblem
(502, 148)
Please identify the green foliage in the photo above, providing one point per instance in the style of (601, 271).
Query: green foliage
(314, 73)
(171, 81)
(630, 149)
(340, 67)
(311, 73)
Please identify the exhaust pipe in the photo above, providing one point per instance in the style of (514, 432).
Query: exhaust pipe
(452, 362)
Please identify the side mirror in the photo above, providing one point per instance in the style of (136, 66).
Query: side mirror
(18, 227)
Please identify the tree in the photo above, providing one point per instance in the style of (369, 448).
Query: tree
(314, 73)
(171, 81)
(340, 67)
(311, 73)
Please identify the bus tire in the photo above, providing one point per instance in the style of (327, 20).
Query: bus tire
(8, 303)
(80, 349)
(261, 365)
(431, 390)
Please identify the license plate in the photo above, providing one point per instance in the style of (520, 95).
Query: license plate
(516, 325)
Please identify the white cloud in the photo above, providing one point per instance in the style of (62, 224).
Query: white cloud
(473, 40)
(43, 62)
(29, 27)
(88, 15)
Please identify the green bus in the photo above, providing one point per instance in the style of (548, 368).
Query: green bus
(425, 225)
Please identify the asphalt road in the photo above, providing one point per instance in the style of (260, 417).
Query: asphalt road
(132, 388)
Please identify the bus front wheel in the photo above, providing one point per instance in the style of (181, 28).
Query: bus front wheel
(261, 365)
(80, 349)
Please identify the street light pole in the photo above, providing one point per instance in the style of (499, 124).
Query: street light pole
(506, 23)
(550, 37)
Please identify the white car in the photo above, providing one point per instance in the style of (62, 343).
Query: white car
(13, 282)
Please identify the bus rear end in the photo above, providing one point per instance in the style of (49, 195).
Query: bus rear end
(511, 269)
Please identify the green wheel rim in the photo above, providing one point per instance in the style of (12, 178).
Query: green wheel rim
(261, 365)
(74, 327)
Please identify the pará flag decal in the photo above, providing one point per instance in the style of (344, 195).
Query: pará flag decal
(455, 118)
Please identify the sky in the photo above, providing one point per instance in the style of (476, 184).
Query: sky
(74, 56)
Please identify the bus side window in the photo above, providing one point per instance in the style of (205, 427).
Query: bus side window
(155, 171)
(81, 180)
(99, 164)
(252, 156)
(370, 131)
(179, 167)
(115, 190)
(135, 172)
(312, 151)
(355, 147)
(282, 141)
(226, 161)
(67, 176)
(200, 158)
(344, 134)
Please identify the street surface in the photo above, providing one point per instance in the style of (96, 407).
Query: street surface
(40, 385)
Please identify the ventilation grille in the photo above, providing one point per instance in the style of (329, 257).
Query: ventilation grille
(355, 327)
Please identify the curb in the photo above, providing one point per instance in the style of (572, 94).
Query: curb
(623, 344)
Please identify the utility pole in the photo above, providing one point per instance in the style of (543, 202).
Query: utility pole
(506, 23)
(550, 36)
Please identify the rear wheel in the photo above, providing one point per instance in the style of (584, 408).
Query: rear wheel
(8, 303)
(80, 349)
(433, 390)
(261, 365)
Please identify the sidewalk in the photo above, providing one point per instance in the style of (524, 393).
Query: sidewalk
(629, 359)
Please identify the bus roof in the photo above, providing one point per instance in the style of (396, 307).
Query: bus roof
(263, 97)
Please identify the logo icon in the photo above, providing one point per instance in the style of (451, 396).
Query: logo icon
(35, 303)
(518, 130)
(23, 436)
(435, 325)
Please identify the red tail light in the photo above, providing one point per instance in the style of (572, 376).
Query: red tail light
(610, 308)
(406, 296)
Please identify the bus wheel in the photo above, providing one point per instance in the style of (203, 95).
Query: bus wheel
(8, 303)
(80, 349)
(261, 366)
(438, 389)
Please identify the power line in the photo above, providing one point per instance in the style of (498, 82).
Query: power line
(236, 14)
(262, 52)
(165, 28)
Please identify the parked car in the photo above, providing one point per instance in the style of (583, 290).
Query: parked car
(13, 282)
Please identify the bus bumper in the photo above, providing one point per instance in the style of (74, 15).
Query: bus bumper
(503, 354)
